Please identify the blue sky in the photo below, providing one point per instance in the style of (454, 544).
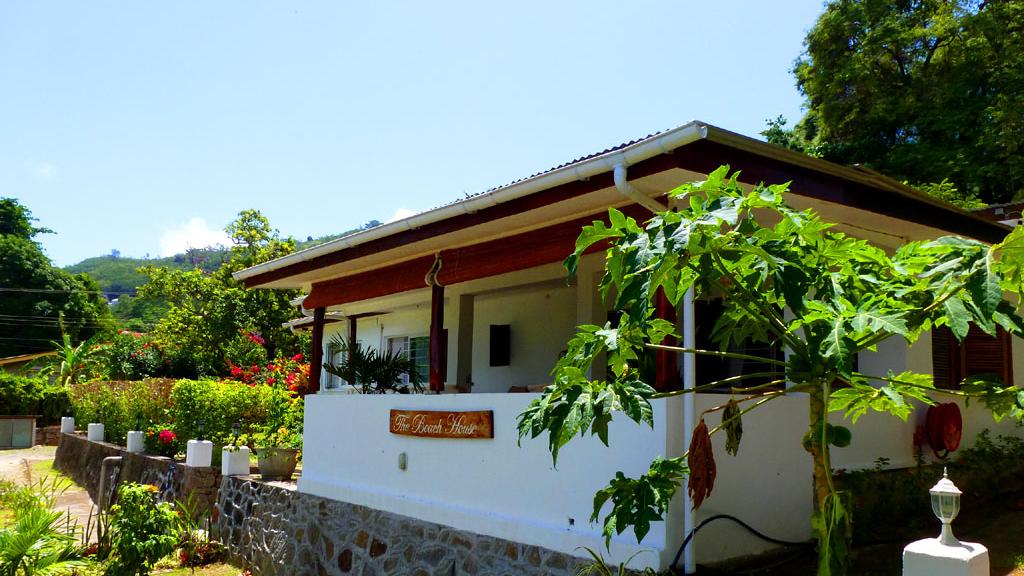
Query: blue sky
(145, 126)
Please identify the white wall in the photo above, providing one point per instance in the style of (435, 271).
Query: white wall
(542, 320)
(491, 487)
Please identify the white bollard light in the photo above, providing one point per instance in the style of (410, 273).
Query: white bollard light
(199, 453)
(945, 555)
(96, 432)
(234, 462)
(136, 441)
(67, 425)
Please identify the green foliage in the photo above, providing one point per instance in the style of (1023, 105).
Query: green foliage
(208, 310)
(16, 220)
(195, 547)
(599, 567)
(948, 192)
(142, 530)
(374, 371)
(842, 296)
(72, 363)
(37, 295)
(133, 356)
(118, 405)
(21, 395)
(221, 404)
(38, 540)
(921, 91)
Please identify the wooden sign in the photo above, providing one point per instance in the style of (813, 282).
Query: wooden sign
(443, 424)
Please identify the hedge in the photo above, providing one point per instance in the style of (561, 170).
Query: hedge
(32, 396)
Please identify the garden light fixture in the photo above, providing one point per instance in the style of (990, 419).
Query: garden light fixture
(236, 429)
(946, 505)
(201, 427)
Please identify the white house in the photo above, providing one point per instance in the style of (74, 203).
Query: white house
(475, 292)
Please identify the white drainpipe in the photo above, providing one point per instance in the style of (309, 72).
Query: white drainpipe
(689, 364)
(626, 189)
(689, 422)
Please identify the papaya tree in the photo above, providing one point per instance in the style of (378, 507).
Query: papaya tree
(788, 278)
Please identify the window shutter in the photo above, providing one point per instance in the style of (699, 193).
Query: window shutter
(979, 353)
(945, 359)
(984, 354)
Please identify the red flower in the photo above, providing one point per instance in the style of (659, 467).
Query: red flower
(166, 436)
(236, 371)
(270, 380)
(297, 357)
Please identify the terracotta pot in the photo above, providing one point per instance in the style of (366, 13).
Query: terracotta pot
(277, 463)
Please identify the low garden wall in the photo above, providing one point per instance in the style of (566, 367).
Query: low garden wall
(274, 530)
(82, 460)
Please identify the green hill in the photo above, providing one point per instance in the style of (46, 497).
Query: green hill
(117, 275)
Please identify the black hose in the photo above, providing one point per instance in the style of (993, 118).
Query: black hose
(750, 528)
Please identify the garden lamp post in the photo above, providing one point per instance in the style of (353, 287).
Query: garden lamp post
(234, 458)
(136, 440)
(946, 505)
(945, 555)
(199, 452)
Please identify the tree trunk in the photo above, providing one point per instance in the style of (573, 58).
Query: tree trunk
(819, 450)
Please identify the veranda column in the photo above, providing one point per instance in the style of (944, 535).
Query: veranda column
(464, 342)
(666, 368)
(317, 353)
(437, 359)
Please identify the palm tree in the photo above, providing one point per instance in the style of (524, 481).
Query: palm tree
(373, 371)
(41, 542)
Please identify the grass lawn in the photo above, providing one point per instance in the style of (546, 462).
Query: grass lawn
(211, 570)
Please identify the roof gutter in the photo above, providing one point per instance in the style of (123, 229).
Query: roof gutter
(642, 150)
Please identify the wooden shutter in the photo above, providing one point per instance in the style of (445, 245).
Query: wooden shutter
(979, 353)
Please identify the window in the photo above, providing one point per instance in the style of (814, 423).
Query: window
(711, 368)
(332, 381)
(979, 353)
(417, 349)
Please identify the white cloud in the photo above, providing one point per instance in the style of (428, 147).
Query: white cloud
(192, 234)
(401, 214)
(41, 170)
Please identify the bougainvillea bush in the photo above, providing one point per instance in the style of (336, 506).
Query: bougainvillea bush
(289, 372)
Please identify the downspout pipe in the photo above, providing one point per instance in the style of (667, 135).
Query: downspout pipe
(689, 364)
(689, 422)
(625, 188)
(100, 496)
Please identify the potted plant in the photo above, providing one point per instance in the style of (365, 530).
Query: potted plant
(278, 443)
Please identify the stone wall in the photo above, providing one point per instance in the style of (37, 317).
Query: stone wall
(48, 435)
(274, 530)
(82, 460)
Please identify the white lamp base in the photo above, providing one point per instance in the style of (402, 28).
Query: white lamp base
(136, 441)
(198, 453)
(929, 557)
(96, 432)
(234, 462)
(67, 425)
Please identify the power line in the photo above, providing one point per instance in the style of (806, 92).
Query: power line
(57, 291)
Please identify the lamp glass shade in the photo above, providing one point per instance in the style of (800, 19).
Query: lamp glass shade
(945, 498)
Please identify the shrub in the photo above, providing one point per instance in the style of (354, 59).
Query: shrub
(134, 356)
(21, 395)
(119, 404)
(142, 530)
(220, 405)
